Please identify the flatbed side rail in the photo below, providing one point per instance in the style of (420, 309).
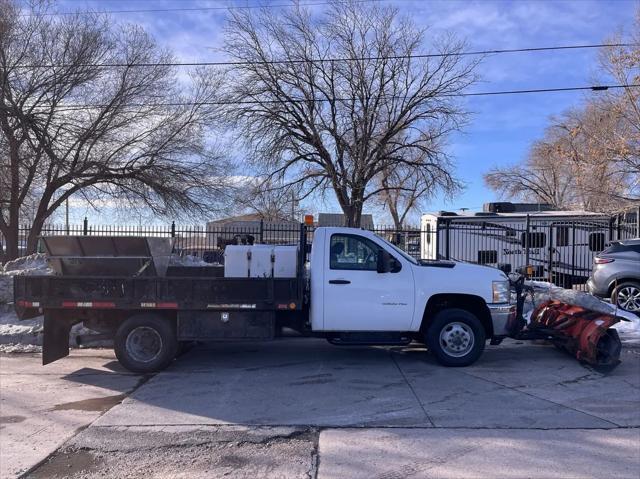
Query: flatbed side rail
(194, 293)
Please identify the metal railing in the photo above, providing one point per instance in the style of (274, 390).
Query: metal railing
(558, 251)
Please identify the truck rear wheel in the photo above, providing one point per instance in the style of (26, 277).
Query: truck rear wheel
(146, 343)
(456, 337)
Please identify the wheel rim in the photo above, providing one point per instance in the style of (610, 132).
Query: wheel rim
(143, 344)
(629, 298)
(457, 339)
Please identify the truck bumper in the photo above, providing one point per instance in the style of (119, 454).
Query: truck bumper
(504, 318)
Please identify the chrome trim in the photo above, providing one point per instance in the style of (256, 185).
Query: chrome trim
(500, 315)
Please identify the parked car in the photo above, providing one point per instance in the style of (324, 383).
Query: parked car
(616, 274)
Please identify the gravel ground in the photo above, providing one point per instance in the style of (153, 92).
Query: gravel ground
(186, 452)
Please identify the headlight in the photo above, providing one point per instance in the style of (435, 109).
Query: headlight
(501, 291)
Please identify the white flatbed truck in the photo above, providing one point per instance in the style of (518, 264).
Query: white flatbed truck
(353, 287)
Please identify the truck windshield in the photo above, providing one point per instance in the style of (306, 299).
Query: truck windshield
(409, 258)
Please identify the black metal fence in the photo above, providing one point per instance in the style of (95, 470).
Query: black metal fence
(560, 251)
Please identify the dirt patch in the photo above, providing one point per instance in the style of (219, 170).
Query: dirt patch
(92, 404)
(237, 452)
(68, 463)
(11, 419)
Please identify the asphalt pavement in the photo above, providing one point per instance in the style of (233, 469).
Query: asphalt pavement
(304, 408)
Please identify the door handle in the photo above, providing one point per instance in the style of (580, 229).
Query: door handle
(339, 281)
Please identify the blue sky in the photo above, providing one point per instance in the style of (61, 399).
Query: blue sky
(502, 127)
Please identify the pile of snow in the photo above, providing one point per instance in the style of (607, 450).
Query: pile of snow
(628, 328)
(24, 336)
(34, 264)
(187, 260)
(27, 265)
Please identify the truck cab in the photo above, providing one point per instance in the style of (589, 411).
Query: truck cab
(360, 282)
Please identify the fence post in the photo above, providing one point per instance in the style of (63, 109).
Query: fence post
(526, 246)
(550, 277)
(448, 237)
(612, 220)
(638, 222)
(573, 252)
(262, 231)
(173, 229)
(85, 226)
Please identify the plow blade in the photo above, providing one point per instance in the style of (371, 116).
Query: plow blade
(583, 333)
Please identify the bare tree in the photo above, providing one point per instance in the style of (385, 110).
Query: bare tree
(269, 201)
(405, 189)
(573, 166)
(622, 63)
(589, 157)
(541, 178)
(76, 122)
(332, 101)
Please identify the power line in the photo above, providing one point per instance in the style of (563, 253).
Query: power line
(329, 60)
(595, 88)
(191, 9)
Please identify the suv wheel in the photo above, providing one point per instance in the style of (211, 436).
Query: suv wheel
(456, 337)
(627, 296)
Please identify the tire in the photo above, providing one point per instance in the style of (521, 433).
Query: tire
(450, 326)
(146, 343)
(627, 296)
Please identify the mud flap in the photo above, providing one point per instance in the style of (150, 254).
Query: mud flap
(55, 343)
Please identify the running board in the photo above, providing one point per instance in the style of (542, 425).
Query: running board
(369, 339)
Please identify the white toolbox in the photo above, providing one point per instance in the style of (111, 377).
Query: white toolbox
(236, 261)
(285, 261)
(261, 261)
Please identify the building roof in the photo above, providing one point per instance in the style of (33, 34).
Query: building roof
(532, 214)
(338, 219)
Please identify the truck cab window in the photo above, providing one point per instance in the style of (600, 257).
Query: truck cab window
(352, 253)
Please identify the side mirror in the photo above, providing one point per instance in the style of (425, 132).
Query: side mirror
(505, 267)
(384, 262)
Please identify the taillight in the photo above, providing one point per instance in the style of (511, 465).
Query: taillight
(597, 260)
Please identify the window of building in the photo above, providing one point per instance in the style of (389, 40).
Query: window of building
(562, 236)
(596, 241)
(487, 256)
(536, 240)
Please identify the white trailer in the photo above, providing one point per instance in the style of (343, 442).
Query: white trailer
(556, 245)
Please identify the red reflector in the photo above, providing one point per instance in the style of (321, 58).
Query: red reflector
(69, 304)
(597, 260)
(167, 305)
(105, 304)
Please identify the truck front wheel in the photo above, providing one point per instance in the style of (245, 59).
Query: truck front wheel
(146, 343)
(456, 337)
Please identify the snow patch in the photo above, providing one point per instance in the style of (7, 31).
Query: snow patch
(187, 260)
(628, 328)
(35, 264)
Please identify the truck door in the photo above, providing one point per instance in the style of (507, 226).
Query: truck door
(356, 296)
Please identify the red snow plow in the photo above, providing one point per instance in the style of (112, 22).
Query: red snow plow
(584, 333)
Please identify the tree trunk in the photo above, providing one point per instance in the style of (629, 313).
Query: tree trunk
(352, 213)
(11, 240)
(32, 237)
(397, 222)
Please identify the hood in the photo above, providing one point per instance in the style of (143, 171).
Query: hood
(463, 278)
